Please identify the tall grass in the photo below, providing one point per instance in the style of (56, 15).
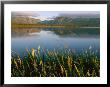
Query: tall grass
(56, 63)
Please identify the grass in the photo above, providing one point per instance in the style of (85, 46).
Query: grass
(37, 26)
(57, 63)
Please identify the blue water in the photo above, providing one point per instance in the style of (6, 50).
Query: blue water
(50, 39)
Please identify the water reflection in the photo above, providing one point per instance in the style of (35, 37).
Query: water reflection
(51, 38)
(63, 32)
(24, 32)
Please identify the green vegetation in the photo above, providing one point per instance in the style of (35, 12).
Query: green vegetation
(37, 26)
(57, 63)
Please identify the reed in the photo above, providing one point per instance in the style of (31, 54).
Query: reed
(58, 63)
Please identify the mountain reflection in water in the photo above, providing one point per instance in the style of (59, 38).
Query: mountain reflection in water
(79, 32)
(51, 38)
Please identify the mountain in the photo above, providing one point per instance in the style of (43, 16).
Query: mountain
(79, 15)
(95, 22)
(24, 20)
(91, 20)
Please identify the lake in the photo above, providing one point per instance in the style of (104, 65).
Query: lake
(55, 38)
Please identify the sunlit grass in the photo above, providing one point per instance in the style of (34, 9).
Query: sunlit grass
(57, 63)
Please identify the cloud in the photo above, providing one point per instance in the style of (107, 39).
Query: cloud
(24, 13)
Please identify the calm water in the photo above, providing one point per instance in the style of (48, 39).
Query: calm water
(51, 38)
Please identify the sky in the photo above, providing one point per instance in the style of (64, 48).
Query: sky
(49, 14)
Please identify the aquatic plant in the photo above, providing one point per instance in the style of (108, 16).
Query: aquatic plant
(57, 63)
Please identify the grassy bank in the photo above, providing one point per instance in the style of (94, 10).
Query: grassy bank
(36, 26)
(56, 63)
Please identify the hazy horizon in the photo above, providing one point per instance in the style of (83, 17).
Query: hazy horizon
(48, 15)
